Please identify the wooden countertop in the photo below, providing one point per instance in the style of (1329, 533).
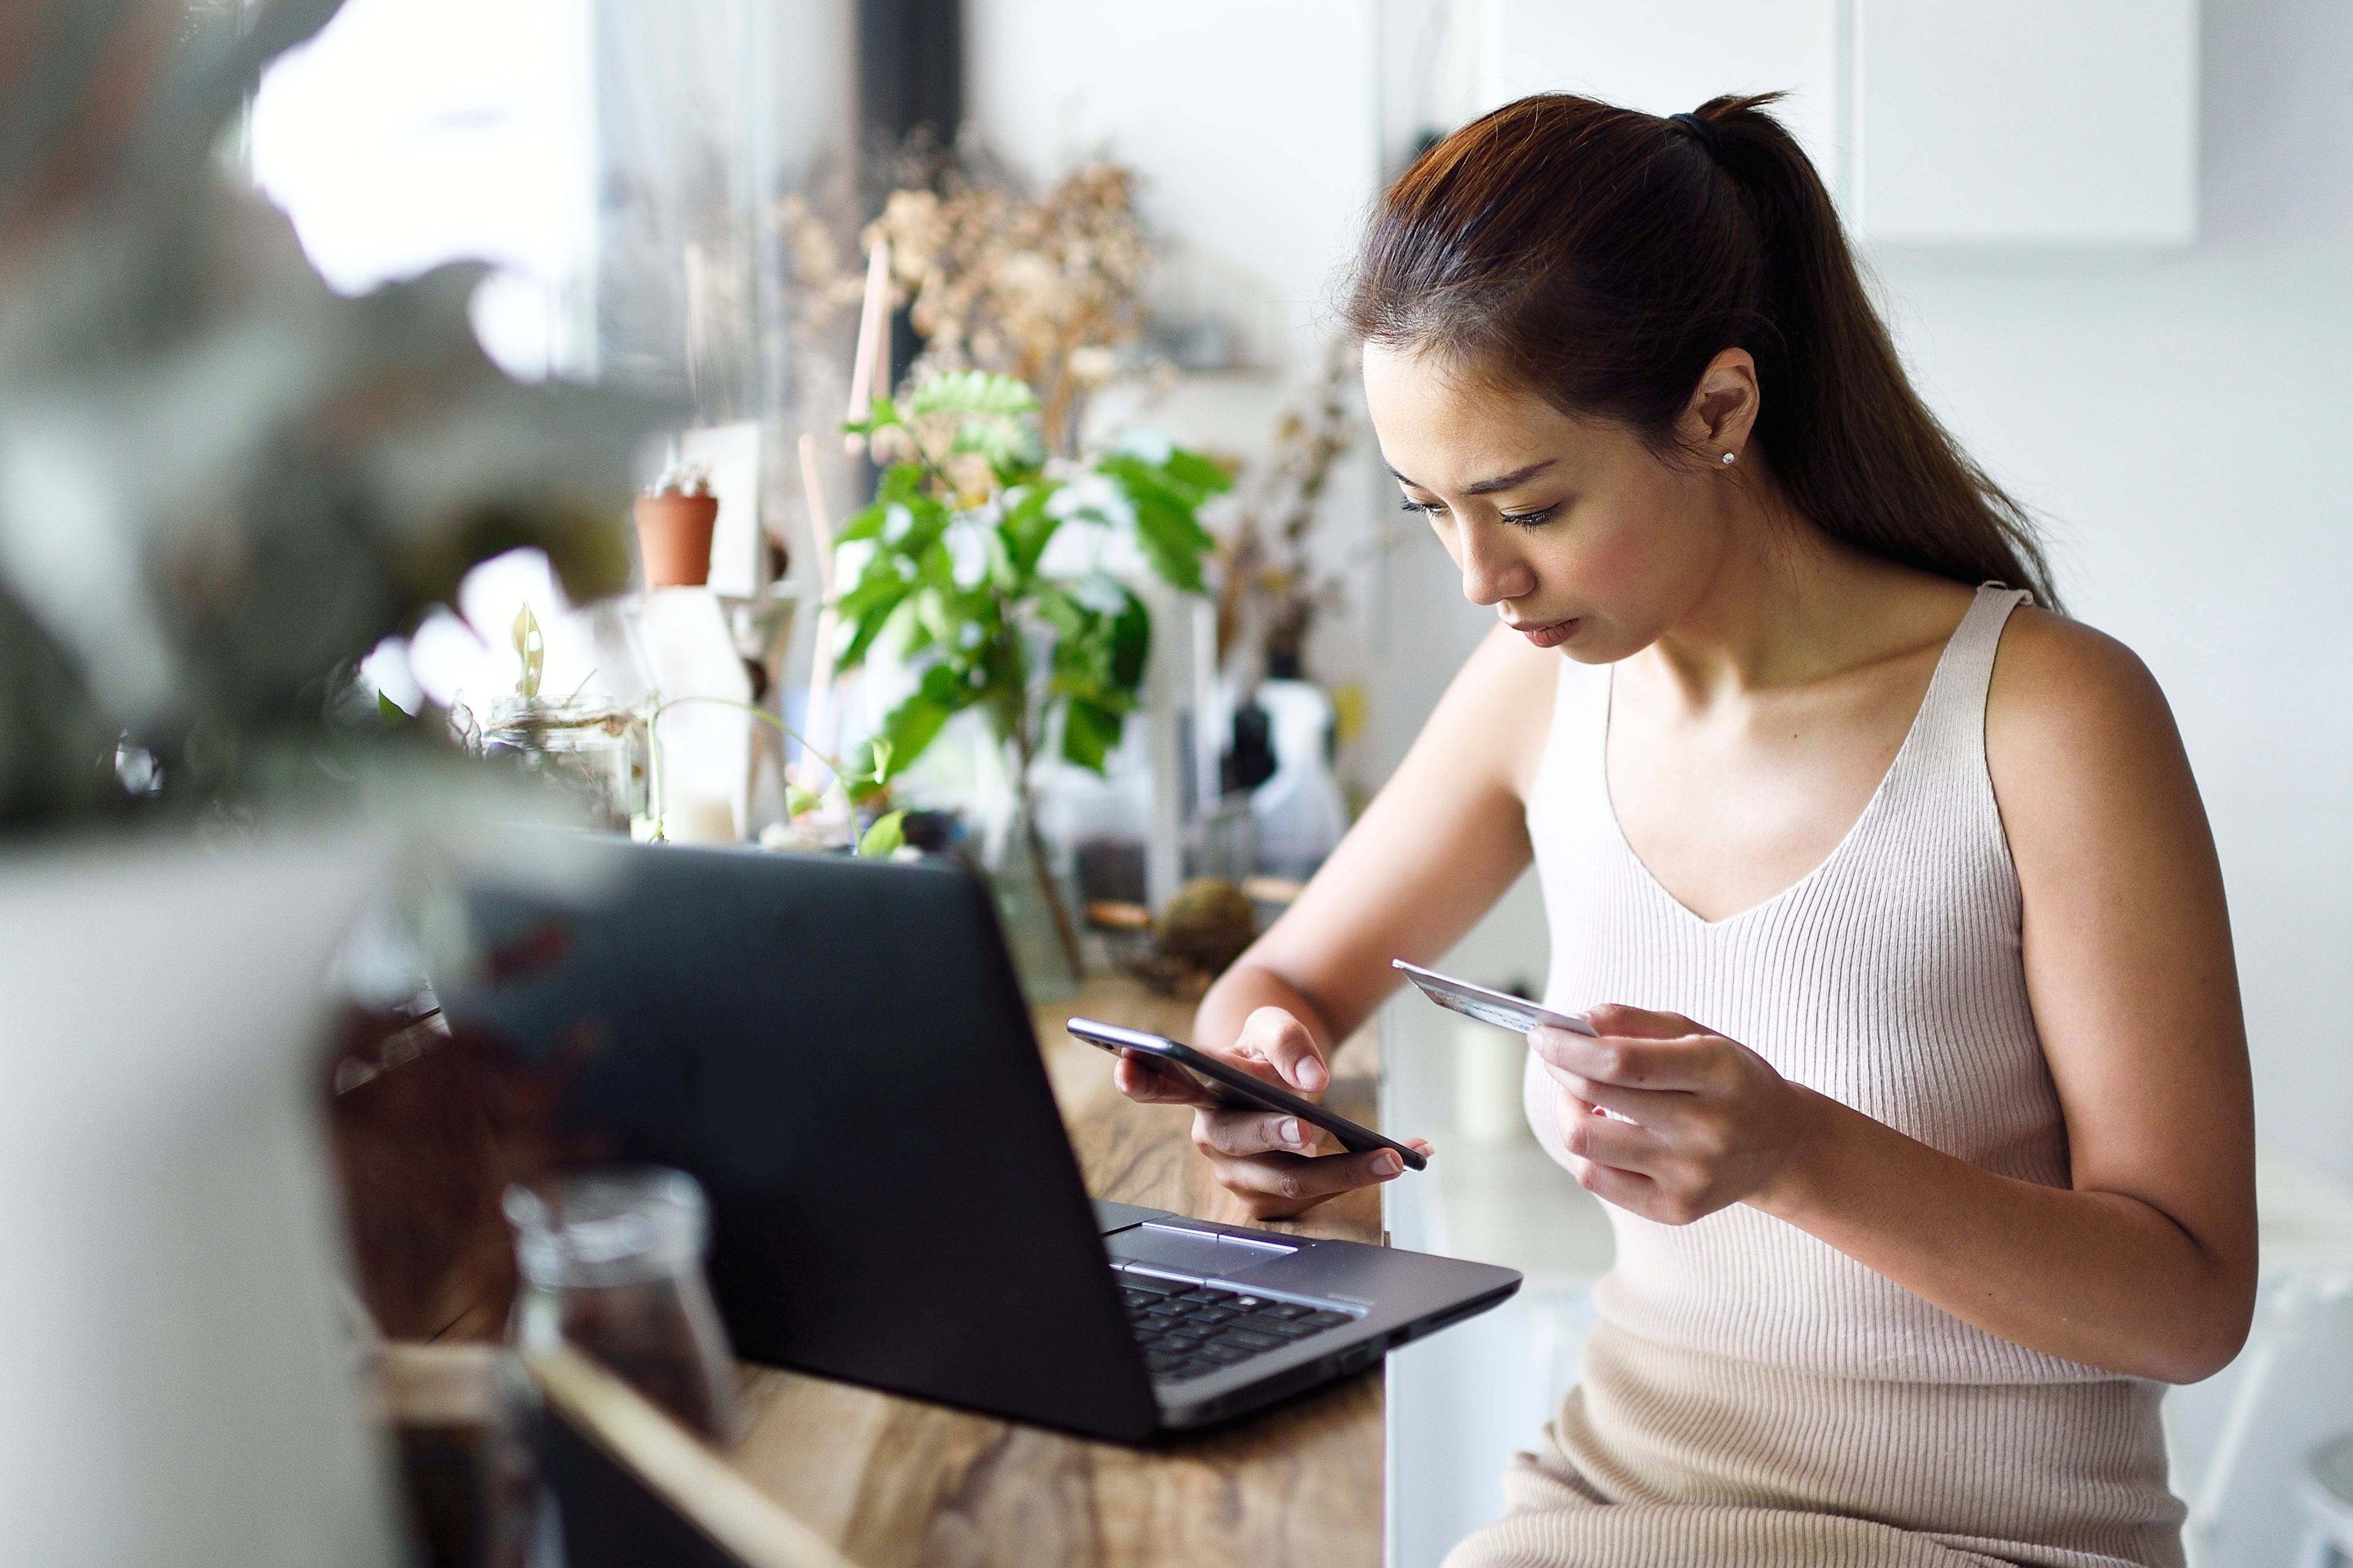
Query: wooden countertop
(895, 1483)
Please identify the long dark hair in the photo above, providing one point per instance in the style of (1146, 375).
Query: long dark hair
(1600, 258)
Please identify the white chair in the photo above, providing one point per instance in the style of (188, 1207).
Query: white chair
(2325, 1488)
(2305, 1222)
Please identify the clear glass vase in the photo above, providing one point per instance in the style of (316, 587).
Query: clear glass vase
(1023, 879)
(611, 1264)
(588, 750)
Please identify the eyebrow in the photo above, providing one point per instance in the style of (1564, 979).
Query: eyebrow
(1485, 487)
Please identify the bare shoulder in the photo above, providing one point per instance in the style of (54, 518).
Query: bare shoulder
(2060, 687)
(2079, 737)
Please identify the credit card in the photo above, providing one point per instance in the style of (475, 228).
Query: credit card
(1499, 1009)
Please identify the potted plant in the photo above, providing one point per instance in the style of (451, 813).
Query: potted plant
(248, 483)
(674, 523)
(954, 548)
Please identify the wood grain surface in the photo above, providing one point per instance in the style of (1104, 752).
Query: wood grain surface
(895, 1483)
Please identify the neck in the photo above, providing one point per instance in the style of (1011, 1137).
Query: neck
(1786, 604)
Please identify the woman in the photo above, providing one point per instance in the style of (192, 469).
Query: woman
(1919, 1091)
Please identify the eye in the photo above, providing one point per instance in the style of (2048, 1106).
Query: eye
(1423, 507)
(1529, 519)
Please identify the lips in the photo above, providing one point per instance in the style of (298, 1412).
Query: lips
(1547, 634)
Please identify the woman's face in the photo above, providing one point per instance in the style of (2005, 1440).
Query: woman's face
(1581, 537)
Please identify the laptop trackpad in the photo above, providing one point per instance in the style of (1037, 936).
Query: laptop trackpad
(1188, 1251)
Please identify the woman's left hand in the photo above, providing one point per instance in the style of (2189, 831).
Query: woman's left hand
(1709, 1123)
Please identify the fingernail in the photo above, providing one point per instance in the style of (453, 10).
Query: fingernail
(1309, 1075)
(1294, 1134)
(1386, 1164)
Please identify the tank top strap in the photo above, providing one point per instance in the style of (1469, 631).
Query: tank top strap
(1947, 749)
(1952, 716)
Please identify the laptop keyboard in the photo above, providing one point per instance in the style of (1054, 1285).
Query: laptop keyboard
(1190, 1331)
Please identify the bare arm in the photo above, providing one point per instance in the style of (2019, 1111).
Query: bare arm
(2146, 1264)
(1436, 848)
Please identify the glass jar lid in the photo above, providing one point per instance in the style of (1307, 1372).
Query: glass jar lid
(617, 1226)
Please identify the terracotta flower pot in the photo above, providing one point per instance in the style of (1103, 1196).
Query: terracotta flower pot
(674, 536)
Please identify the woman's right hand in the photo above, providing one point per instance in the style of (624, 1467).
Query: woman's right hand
(1277, 1165)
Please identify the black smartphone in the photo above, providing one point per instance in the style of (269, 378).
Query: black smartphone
(1234, 1088)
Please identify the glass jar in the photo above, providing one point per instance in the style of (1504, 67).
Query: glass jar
(585, 747)
(611, 1264)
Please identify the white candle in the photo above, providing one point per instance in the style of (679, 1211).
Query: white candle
(873, 339)
(822, 669)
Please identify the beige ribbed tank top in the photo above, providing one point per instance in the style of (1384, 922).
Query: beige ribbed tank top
(1888, 978)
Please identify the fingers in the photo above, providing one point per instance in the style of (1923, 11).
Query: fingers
(1276, 1184)
(1586, 1134)
(1273, 1036)
(1239, 1133)
(1683, 1062)
(1652, 1108)
(1641, 1023)
(1141, 1082)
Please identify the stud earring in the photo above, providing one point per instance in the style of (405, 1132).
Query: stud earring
(1727, 458)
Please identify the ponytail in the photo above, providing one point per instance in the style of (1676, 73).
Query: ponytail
(1601, 257)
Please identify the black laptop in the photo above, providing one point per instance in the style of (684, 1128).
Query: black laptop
(838, 1051)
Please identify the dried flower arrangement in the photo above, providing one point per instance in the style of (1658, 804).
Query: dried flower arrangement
(1045, 289)
(1269, 591)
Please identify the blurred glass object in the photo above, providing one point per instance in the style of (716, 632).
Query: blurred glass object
(1300, 812)
(611, 1264)
(586, 750)
(413, 132)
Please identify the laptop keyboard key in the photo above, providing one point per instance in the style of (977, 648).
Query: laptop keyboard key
(1326, 1320)
(1283, 1309)
(1153, 1285)
(1223, 1355)
(1250, 1338)
(1280, 1328)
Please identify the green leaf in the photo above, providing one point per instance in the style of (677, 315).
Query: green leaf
(885, 837)
(1131, 646)
(1012, 446)
(973, 392)
(1203, 476)
(1171, 536)
(388, 710)
(868, 605)
(880, 413)
(866, 522)
(880, 750)
(1027, 527)
(1090, 733)
(799, 802)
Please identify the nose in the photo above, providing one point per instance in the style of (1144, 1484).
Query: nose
(1492, 568)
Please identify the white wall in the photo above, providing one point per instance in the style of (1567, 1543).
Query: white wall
(1251, 122)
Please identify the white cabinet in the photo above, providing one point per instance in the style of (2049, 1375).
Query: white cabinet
(2034, 121)
(1936, 122)
(1665, 56)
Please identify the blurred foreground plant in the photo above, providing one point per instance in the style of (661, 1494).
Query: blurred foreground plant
(956, 544)
(221, 485)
